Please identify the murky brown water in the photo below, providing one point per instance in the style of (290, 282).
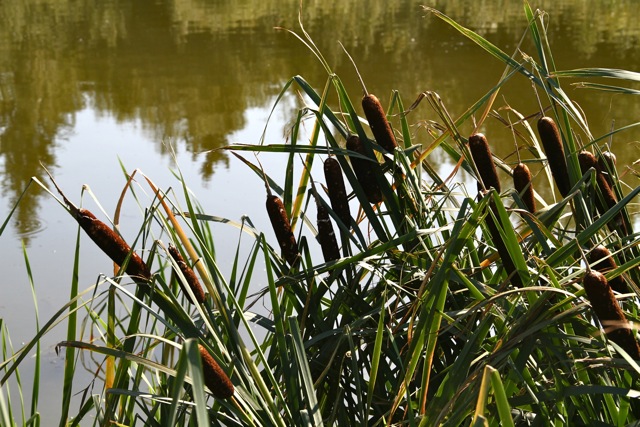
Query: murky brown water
(85, 83)
(187, 71)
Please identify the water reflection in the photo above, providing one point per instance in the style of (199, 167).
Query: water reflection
(189, 69)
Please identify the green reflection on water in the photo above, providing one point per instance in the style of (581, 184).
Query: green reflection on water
(188, 70)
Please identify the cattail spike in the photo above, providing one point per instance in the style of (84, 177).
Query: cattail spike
(189, 275)
(481, 153)
(378, 122)
(214, 377)
(608, 311)
(282, 229)
(112, 244)
(364, 170)
(601, 256)
(607, 165)
(587, 161)
(554, 150)
(326, 236)
(524, 186)
(337, 191)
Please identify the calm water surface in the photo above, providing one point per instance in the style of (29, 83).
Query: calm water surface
(86, 86)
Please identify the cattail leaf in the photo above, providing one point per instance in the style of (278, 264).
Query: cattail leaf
(305, 373)
(509, 238)
(561, 253)
(502, 403)
(600, 72)
(326, 111)
(606, 88)
(375, 362)
(396, 101)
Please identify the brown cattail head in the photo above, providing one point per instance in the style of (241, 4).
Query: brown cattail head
(378, 122)
(606, 263)
(484, 162)
(214, 377)
(364, 170)
(524, 186)
(336, 189)
(552, 144)
(588, 161)
(189, 275)
(282, 228)
(108, 240)
(326, 236)
(111, 243)
(608, 311)
(607, 165)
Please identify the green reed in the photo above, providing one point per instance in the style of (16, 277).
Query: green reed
(416, 323)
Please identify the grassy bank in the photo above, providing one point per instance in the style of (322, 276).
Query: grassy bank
(397, 294)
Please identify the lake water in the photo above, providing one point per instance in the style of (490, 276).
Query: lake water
(87, 85)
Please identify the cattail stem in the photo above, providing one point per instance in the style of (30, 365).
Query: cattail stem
(189, 275)
(364, 170)
(554, 150)
(214, 377)
(378, 122)
(608, 311)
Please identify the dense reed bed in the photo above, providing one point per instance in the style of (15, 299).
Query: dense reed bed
(411, 300)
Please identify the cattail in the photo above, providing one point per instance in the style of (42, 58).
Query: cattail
(336, 189)
(606, 263)
(364, 170)
(189, 275)
(552, 143)
(111, 243)
(282, 228)
(484, 162)
(587, 161)
(108, 240)
(524, 186)
(326, 236)
(378, 122)
(607, 165)
(214, 377)
(608, 311)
